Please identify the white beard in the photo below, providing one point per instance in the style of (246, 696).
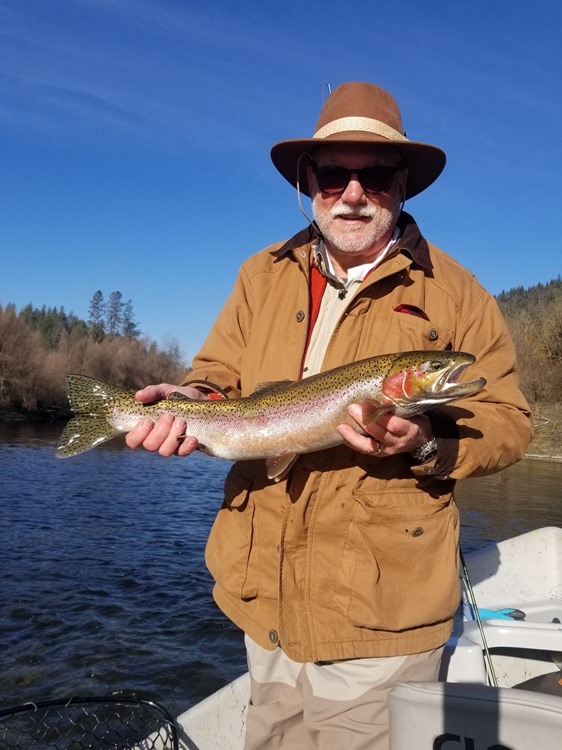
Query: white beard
(354, 239)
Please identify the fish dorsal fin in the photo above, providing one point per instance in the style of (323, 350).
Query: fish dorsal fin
(279, 466)
(177, 396)
(372, 410)
(271, 385)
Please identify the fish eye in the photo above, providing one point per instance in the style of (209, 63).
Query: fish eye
(436, 365)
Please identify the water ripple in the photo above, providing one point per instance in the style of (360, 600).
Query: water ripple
(105, 589)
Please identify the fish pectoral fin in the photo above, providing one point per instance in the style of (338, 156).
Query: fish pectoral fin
(278, 467)
(372, 410)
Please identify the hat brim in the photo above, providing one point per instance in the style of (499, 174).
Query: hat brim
(423, 161)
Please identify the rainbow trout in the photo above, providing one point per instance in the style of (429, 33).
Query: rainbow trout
(279, 421)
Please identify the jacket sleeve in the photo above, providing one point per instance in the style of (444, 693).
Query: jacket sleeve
(220, 359)
(491, 430)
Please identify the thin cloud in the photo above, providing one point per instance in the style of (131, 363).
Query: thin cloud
(156, 78)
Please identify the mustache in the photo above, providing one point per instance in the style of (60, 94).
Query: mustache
(365, 212)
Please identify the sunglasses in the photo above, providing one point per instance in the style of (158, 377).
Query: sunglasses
(373, 180)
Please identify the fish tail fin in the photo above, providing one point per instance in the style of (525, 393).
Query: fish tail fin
(91, 401)
(83, 433)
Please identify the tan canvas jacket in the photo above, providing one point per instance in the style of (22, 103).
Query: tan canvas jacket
(352, 556)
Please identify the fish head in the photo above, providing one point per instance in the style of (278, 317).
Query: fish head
(417, 381)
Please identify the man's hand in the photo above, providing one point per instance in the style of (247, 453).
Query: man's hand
(387, 436)
(164, 436)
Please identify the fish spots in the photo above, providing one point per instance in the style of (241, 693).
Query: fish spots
(288, 418)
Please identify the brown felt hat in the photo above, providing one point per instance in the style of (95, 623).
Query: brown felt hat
(361, 113)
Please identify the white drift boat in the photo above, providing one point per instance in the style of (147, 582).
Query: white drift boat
(475, 705)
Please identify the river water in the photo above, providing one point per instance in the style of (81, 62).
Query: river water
(104, 587)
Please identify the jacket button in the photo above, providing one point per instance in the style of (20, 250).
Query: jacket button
(417, 531)
(300, 316)
(433, 334)
(273, 637)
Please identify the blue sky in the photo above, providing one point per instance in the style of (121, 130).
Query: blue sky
(135, 138)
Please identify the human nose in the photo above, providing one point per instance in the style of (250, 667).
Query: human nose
(354, 192)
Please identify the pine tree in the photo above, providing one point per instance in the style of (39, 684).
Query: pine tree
(129, 326)
(96, 322)
(114, 313)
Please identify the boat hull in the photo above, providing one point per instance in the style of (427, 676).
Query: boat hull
(523, 573)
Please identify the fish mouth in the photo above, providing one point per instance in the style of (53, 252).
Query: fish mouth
(447, 386)
(456, 390)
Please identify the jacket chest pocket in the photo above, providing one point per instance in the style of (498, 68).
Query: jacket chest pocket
(399, 566)
(402, 328)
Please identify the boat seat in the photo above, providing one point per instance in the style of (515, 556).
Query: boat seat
(457, 716)
(535, 641)
(516, 634)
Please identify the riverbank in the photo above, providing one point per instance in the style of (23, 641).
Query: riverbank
(543, 457)
(547, 438)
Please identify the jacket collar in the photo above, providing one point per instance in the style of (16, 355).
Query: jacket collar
(410, 242)
(299, 240)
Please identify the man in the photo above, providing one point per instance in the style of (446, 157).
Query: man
(344, 575)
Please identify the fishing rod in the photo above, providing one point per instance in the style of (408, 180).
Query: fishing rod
(492, 678)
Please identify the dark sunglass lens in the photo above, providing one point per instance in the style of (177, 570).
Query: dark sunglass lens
(376, 179)
(332, 179)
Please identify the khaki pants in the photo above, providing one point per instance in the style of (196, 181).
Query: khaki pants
(340, 705)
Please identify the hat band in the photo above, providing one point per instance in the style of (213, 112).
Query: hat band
(364, 124)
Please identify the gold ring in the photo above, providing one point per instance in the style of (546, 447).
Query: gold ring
(378, 448)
